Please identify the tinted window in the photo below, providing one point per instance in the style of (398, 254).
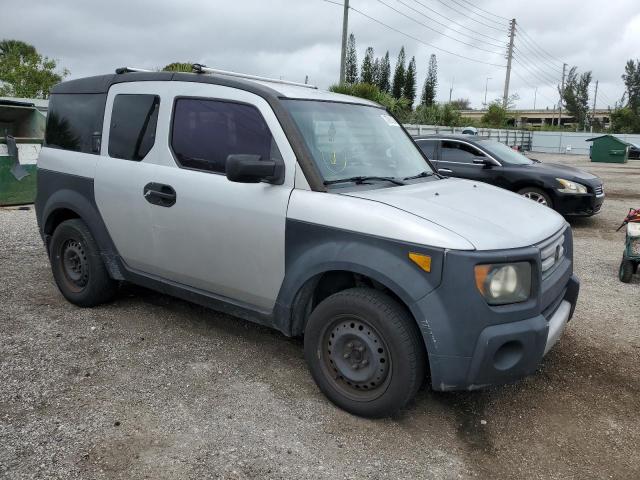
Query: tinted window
(458, 152)
(133, 126)
(428, 147)
(74, 122)
(206, 132)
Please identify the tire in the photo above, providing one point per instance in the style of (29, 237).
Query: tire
(77, 266)
(537, 195)
(626, 271)
(365, 352)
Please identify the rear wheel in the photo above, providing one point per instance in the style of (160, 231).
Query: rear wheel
(365, 352)
(626, 271)
(77, 265)
(537, 195)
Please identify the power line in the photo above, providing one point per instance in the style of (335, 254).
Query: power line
(499, 22)
(485, 11)
(544, 80)
(464, 14)
(459, 24)
(475, 60)
(448, 26)
(535, 65)
(553, 58)
(437, 31)
(530, 51)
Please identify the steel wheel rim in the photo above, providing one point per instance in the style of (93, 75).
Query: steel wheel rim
(355, 358)
(536, 197)
(75, 265)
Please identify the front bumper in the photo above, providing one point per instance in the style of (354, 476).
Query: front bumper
(583, 205)
(473, 345)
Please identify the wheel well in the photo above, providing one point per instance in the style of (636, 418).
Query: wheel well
(56, 217)
(326, 284)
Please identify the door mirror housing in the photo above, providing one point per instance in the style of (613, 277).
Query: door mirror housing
(482, 161)
(250, 169)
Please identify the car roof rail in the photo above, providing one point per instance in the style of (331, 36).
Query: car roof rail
(199, 68)
(131, 70)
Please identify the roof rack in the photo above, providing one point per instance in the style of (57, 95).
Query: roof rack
(131, 69)
(199, 68)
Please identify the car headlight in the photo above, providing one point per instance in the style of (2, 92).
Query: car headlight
(633, 229)
(504, 283)
(567, 186)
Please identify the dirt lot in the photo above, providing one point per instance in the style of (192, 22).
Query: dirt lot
(152, 387)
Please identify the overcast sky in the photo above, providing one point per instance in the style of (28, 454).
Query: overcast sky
(294, 38)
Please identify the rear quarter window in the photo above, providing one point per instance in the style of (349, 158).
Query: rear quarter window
(132, 132)
(74, 122)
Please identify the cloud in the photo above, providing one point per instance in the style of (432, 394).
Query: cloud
(293, 39)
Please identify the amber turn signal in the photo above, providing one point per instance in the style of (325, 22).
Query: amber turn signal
(423, 261)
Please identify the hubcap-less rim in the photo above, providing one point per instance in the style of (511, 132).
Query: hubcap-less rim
(356, 358)
(536, 197)
(74, 264)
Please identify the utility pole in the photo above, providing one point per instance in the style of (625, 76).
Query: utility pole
(486, 84)
(535, 96)
(564, 68)
(595, 98)
(512, 34)
(451, 89)
(345, 29)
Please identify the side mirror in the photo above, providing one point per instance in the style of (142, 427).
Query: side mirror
(482, 161)
(249, 169)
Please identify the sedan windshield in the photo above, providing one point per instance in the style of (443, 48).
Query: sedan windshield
(350, 141)
(504, 153)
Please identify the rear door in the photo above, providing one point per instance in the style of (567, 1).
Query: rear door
(125, 166)
(430, 148)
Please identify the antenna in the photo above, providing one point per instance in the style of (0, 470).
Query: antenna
(199, 68)
(130, 70)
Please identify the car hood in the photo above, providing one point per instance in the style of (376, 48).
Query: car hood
(488, 217)
(565, 171)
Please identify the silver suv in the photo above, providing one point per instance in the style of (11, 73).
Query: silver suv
(307, 211)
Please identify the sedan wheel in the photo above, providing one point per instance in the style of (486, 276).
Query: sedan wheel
(536, 195)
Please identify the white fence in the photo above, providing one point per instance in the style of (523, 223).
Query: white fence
(571, 143)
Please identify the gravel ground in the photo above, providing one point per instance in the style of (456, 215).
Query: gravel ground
(153, 387)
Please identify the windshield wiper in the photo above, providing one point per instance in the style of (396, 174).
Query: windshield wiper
(420, 175)
(361, 179)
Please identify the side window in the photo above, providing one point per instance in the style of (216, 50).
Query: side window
(205, 132)
(458, 152)
(74, 122)
(132, 132)
(429, 148)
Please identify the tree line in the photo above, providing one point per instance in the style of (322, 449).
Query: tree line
(24, 72)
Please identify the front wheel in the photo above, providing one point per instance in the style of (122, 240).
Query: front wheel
(365, 352)
(537, 195)
(626, 271)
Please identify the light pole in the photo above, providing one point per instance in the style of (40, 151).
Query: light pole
(535, 97)
(486, 84)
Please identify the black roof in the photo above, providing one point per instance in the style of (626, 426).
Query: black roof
(102, 83)
(452, 136)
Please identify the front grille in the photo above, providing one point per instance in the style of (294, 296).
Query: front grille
(551, 253)
(599, 190)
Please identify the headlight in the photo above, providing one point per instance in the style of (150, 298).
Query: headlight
(504, 283)
(633, 229)
(567, 186)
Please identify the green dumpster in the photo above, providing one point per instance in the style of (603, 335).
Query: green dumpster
(21, 134)
(609, 149)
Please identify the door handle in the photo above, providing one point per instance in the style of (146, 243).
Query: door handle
(445, 170)
(160, 194)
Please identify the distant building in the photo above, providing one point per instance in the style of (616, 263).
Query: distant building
(539, 117)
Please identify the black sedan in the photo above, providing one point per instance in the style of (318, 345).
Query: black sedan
(568, 190)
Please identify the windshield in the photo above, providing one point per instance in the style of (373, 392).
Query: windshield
(504, 153)
(349, 140)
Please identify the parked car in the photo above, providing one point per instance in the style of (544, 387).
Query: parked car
(566, 189)
(310, 212)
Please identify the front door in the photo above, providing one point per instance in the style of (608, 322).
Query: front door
(457, 160)
(218, 236)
